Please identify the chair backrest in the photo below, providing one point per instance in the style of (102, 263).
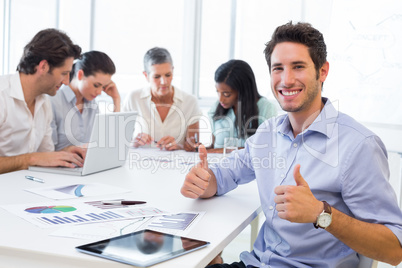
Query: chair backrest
(366, 262)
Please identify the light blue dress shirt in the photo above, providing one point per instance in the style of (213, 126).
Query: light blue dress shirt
(224, 127)
(344, 164)
(70, 127)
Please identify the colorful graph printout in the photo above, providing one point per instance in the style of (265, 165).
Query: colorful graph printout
(75, 190)
(75, 212)
(72, 191)
(51, 209)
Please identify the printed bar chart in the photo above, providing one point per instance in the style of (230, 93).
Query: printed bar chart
(178, 221)
(86, 218)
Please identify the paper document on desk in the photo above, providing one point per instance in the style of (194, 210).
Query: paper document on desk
(52, 214)
(101, 231)
(176, 224)
(77, 190)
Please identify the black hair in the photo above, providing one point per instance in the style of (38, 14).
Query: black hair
(92, 62)
(239, 76)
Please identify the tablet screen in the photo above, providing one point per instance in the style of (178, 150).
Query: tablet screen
(142, 248)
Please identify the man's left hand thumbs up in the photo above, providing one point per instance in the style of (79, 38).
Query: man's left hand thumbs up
(296, 203)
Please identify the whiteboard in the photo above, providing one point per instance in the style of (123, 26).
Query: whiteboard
(365, 55)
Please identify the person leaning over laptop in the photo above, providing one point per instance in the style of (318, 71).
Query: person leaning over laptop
(322, 177)
(25, 110)
(74, 105)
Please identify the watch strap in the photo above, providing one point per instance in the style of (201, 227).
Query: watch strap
(327, 209)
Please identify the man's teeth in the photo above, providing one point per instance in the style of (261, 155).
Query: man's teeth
(290, 93)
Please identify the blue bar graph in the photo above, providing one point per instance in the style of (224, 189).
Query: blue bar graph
(89, 217)
(94, 217)
(63, 219)
(114, 215)
(51, 221)
(80, 219)
(63, 215)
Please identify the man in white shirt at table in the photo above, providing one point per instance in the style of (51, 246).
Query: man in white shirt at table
(25, 111)
(327, 198)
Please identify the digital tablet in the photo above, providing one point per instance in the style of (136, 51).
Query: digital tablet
(142, 248)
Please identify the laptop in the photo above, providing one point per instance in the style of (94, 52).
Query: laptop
(108, 147)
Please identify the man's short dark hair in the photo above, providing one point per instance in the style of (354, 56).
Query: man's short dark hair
(302, 33)
(51, 45)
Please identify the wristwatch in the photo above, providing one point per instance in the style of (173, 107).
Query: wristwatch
(325, 218)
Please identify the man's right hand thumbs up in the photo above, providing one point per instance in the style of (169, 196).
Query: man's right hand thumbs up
(200, 181)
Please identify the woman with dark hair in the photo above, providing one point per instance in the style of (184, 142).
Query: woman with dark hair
(240, 109)
(74, 106)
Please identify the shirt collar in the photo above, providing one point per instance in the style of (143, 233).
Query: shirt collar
(18, 93)
(15, 84)
(178, 95)
(326, 120)
(324, 123)
(68, 94)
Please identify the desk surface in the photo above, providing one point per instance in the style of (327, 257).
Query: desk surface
(23, 244)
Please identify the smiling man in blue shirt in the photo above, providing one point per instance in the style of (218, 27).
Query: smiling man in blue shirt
(322, 176)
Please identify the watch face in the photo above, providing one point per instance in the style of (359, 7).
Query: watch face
(324, 220)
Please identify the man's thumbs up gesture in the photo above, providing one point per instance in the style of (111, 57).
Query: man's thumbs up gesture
(200, 181)
(297, 203)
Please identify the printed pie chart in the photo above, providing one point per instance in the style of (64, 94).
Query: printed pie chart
(50, 209)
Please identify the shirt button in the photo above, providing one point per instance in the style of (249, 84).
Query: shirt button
(271, 207)
(295, 145)
(282, 175)
(262, 264)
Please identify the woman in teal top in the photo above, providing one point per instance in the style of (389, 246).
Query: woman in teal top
(240, 108)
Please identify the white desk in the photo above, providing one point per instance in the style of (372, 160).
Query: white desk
(23, 244)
